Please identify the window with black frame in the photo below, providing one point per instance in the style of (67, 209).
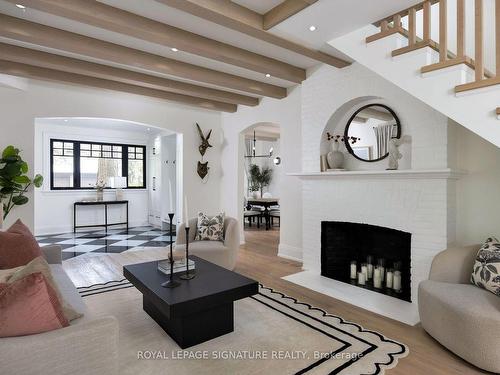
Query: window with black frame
(80, 164)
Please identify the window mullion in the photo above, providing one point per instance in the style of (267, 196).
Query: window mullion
(76, 165)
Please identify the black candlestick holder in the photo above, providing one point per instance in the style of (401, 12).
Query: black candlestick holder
(189, 274)
(171, 283)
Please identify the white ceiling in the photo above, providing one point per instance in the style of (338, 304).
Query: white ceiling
(259, 6)
(103, 123)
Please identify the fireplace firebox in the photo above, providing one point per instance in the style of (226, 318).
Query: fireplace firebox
(343, 243)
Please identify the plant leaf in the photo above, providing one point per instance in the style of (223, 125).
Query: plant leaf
(22, 179)
(9, 151)
(20, 200)
(24, 167)
(38, 180)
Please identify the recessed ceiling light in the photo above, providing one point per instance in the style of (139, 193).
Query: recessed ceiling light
(149, 129)
(312, 28)
(20, 6)
(268, 75)
(65, 120)
(174, 49)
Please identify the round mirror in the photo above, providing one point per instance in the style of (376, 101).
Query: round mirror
(369, 131)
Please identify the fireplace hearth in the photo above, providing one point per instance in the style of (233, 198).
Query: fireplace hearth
(343, 243)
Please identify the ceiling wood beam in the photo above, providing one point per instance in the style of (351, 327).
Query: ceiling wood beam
(70, 65)
(283, 11)
(37, 34)
(44, 74)
(238, 18)
(123, 22)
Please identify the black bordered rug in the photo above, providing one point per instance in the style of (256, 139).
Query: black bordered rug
(274, 334)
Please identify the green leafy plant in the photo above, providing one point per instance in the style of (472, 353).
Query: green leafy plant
(259, 179)
(14, 181)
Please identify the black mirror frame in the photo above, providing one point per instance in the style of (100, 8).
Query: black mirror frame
(346, 131)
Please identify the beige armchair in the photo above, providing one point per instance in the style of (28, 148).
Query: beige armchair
(221, 253)
(462, 317)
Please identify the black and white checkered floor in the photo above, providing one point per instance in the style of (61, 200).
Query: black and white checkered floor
(114, 241)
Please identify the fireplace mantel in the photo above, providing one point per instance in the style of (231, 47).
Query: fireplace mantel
(376, 174)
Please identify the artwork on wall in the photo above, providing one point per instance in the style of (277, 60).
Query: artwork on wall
(203, 167)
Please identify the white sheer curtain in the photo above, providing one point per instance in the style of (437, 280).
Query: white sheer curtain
(383, 134)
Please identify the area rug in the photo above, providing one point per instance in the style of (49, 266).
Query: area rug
(273, 334)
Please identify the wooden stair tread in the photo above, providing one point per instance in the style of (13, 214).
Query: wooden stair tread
(498, 111)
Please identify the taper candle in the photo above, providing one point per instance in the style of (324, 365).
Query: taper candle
(186, 212)
(170, 197)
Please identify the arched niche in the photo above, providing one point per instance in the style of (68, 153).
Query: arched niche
(336, 125)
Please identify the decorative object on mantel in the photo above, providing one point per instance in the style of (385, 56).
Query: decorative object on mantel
(14, 181)
(377, 124)
(203, 168)
(335, 157)
(394, 154)
(323, 162)
(99, 187)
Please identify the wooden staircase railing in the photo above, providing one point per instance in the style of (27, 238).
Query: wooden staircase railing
(483, 78)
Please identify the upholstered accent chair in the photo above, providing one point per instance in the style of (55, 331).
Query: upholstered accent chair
(223, 253)
(461, 316)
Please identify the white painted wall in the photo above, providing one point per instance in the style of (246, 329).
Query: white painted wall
(20, 108)
(48, 202)
(286, 113)
(478, 202)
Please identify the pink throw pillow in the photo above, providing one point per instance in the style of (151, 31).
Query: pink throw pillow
(29, 306)
(17, 246)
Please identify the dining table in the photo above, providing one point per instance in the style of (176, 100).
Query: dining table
(266, 203)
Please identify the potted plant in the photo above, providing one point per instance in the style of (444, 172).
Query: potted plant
(259, 179)
(14, 181)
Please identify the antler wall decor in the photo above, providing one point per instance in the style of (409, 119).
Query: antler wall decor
(203, 167)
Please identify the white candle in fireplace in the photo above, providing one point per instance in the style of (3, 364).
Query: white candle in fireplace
(388, 277)
(377, 278)
(396, 283)
(361, 278)
(370, 270)
(354, 270)
(364, 269)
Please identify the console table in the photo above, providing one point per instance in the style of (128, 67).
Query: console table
(99, 203)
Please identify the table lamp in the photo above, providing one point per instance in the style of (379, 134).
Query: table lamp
(118, 183)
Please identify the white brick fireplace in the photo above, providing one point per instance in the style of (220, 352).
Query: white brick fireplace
(419, 198)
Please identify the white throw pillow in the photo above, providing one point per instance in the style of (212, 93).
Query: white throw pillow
(210, 228)
(486, 271)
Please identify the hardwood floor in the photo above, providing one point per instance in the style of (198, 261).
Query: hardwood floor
(258, 259)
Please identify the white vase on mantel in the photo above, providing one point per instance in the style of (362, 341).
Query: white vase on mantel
(335, 157)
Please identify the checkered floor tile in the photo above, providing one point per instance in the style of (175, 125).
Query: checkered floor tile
(114, 241)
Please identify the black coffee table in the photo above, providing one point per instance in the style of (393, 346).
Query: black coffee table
(199, 309)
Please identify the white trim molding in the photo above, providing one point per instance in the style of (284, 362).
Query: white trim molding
(290, 252)
(446, 173)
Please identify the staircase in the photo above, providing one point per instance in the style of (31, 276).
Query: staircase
(417, 50)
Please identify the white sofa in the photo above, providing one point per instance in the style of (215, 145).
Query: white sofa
(223, 253)
(89, 346)
(461, 316)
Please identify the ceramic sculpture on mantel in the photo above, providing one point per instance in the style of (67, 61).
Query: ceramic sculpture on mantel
(394, 154)
(335, 157)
